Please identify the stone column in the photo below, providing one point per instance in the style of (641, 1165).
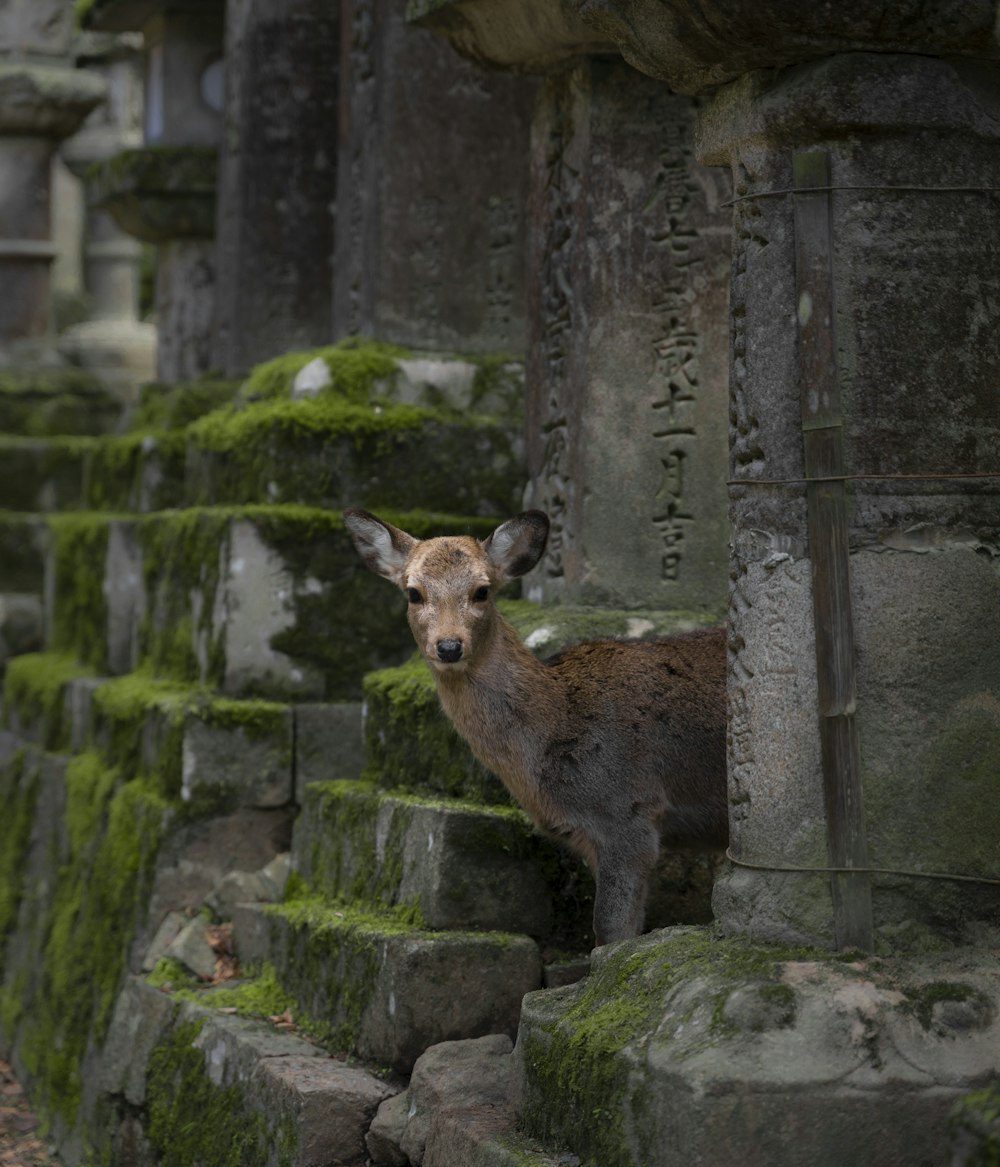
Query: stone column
(277, 180)
(431, 190)
(914, 242)
(43, 99)
(112, 341)
(164, 192)
(627, 342)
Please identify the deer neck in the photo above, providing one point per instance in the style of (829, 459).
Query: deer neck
(500, 704)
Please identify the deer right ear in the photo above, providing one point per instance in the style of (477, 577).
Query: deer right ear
(384, 548)
(517, 545)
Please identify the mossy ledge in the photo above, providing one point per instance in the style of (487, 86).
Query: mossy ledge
(576, 1054)
(75, 921)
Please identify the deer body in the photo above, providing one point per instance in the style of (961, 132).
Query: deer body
(613, 747)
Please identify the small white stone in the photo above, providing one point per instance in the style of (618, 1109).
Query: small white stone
(311, 379)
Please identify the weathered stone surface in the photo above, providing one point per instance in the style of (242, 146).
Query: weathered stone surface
(191, 948)
(923, 593)
(159, 194)
(277, 180)
(199, 855)
(702, 1049)
(141, 1016)
(693, 51)
(23, 541)
(332, 1105)
(488, 1138)
(46, 101)
(43, 402)
(626, 373)
(20, 625)
(386, 1132)
(465, 867)
(256, 766)
(694, 54)
(329, 743)
(455, 1075)
(168, 931)
(421, 258)
(385, 990)
(239, 887)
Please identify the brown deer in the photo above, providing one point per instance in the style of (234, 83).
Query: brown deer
(615, 747)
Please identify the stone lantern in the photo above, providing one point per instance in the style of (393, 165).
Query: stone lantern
(112, 341)
(43, 99)
(164, 191)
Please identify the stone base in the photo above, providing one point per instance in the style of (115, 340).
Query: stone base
(121, 353)
(699, 1049)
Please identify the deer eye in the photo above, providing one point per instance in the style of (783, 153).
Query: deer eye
(481, 595)
(414, 596)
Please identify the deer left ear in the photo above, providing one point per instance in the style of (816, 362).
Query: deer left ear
(517, 545)
(384, 548)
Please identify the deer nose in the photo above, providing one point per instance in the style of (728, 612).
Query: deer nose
(449, 651)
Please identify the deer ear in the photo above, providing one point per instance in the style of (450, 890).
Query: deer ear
(384, 548)
(517, 545)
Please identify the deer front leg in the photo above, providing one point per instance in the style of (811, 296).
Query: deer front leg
(622, 878)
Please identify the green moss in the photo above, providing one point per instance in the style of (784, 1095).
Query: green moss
(575, 1059)
(34, 687)
(170, 974)
(261, 996)
(139, 471)
(357, 370)
(39, 403)
(174, 407)
(18, 792)
(975, 1125)
(156, 170)
(113, 833)
(193, 1122)
(80, 544)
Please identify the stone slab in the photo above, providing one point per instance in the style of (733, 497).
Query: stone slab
(329, 743)
(698, 1048)
(385, 990)
(464, 866)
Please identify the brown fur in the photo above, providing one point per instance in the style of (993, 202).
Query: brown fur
(612, 746)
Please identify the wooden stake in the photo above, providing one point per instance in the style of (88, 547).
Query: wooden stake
(827, 509)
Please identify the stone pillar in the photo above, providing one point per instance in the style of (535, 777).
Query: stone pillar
(431, 190)
(164, 193)
(43, 99)
(628, 328)
(914, 244)
(277, 180)
(112, 341)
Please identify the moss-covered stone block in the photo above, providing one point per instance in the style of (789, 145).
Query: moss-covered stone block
(686, 1045)
(87, 871)
(462, 866)
(325, 452)
(372, 984)
(40, 403)
(329, 743)
(137, 473)
(24, 540)
(44, 474)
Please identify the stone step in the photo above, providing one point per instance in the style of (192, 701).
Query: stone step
(205, 750)
(24, 540)
(41, 402)
(357, 423)
(688, 1046)
(249, 1083)
(457, 1111)
(460, 865)
(381, 988)
(266, 601)
(44, 474)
